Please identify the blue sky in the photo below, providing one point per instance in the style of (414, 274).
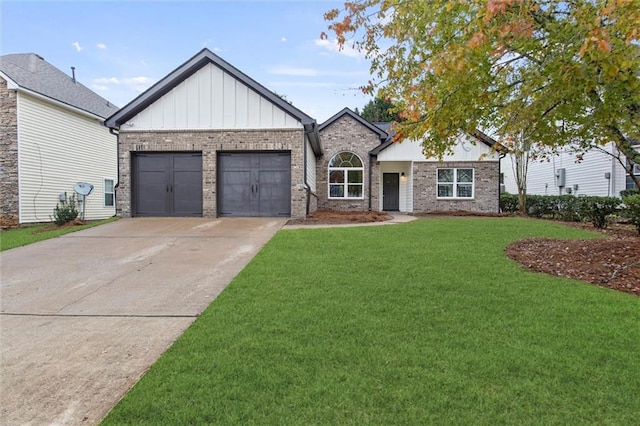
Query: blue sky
(120, 48)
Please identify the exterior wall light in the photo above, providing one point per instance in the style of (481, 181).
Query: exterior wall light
(403, 178)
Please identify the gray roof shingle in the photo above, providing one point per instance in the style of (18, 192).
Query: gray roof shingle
(32, 72)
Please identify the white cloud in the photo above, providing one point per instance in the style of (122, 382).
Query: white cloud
(283, 39)
(136, 80)
(106, 80)
(101, 46)
(332, 46)
(76, 44)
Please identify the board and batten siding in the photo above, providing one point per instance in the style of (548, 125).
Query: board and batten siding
(465, 149)
(311, 166)
(58, 148)
(588, 175)
(212, 99)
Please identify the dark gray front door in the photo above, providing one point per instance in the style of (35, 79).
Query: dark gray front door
(167, 184)
(390, 191)
(254, 184)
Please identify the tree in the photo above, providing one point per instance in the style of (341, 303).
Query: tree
(379, 110)
(568, 70)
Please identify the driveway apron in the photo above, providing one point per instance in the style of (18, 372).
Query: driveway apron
(83, 316)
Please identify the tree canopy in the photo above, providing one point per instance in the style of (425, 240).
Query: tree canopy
(379, 110)
(560, 72)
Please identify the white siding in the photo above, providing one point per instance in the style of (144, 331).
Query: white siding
(466, 149)
(212, 99)
(311, 166)
(588, 175)
(406, 187)
(57, 148)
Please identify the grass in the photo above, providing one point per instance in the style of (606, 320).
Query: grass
(423, 323)
(18, 237)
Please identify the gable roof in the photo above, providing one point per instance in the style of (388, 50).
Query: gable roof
(31, 72)
(186, 70)
(480, 136)
(346, 111)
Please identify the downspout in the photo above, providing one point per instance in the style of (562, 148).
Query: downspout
(304, 170)
(370, 173)
(500, 174)
(117, 135)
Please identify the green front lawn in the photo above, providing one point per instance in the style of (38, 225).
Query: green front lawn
(422, 323)
(12, 238)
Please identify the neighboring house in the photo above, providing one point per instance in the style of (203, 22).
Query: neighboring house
(207, 140)
(52, 137)
(597, 174)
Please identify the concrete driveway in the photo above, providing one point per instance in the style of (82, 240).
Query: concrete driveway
(83, 316)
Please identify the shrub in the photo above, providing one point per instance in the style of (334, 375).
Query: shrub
(597, 209)
(633, 209)
(66, 210)
(509, 202)
(629, 192)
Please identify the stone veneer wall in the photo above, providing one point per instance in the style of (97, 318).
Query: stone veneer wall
(9, 185)
(486, 187)
(346, 134)
(209, 142)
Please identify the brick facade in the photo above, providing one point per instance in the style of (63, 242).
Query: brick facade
(209, 143)
(346, 134)
(485, 180)
(9, 205)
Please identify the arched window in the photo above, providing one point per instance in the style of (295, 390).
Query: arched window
(346, 175)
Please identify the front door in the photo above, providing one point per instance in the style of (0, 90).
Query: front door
(391, 191)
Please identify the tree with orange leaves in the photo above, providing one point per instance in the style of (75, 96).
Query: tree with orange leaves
(560, 73)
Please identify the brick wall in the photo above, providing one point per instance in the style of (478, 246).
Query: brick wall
(486, 187)
(209, 142)
(346, 134)
(9, 207)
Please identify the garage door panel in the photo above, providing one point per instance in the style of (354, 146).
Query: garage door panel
(254, 184)
(187, 193)
(167, 184)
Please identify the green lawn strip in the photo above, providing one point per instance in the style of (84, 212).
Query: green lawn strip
(18, 237)
(423, 323)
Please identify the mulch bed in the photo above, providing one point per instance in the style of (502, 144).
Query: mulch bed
(612, 262)
(322, 217)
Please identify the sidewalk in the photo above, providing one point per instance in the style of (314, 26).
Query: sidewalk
(395, 219)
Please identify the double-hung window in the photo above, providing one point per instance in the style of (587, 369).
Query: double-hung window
(346, 176)
(109, 193)
(455, 183)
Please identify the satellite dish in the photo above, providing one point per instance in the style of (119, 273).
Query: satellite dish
(83, 188)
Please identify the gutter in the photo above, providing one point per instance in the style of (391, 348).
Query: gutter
(500, 174)
(370, 173)
(116, 133)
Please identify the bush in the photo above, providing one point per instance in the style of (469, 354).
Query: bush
(629, 192)
(597, 209)
(66, 210)
(633, 209)
(509, 203)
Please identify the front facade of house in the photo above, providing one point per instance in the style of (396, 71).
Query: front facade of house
(207, 140)
(598, 174)
(362, 169)
(52, 137)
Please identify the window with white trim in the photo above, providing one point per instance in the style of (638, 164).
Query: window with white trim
(455, 183)
(630, 183)
(346, 176)
(109, 193)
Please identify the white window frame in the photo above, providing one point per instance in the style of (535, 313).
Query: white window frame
(455, 183)
(346, 183)
(104, 190)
